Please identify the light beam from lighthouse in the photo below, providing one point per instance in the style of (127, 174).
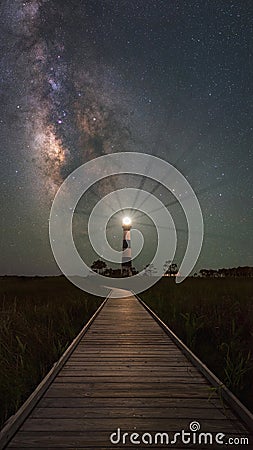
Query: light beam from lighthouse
(126, 266)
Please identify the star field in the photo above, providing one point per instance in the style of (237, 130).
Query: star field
(80, 79)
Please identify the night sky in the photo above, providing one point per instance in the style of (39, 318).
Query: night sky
(84, 78)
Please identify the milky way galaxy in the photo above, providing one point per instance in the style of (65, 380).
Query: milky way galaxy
(70, 116)
(84, 78)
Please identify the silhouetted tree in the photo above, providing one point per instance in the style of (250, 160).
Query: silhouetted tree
(99, 266)
(166, 265)
(171, 268)
(204, 272)
(150, 270)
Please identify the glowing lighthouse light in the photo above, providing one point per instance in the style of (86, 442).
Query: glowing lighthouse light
(126, 265)
(127, 221)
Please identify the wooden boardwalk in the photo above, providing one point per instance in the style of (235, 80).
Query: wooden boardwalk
(126, 373)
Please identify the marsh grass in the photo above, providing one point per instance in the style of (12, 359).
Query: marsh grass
(39, 317)
(214, 317)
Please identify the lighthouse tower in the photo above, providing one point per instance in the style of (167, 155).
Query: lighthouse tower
(126, 266)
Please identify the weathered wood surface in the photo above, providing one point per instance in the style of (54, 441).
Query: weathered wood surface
(125, 373)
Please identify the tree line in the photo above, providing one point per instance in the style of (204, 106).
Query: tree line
(234, 272)
(171, 270)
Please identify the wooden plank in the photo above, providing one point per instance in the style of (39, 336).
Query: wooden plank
(69, 375)
(135, 364)
(123, 354)
(138, 412)
(113, 378)
(138, 364)
(137, 359)
(127, 390)
(88, 440)
(130, 402)
(109, 424)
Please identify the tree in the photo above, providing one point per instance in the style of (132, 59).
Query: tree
(170, 268)
(204, 273)
(99, 266)
(150, 270)
(166, 266)
(173, 269)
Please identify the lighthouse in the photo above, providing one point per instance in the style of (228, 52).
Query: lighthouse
(126, 265)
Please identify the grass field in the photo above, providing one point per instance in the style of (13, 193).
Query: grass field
(39, 317)
(214, 317)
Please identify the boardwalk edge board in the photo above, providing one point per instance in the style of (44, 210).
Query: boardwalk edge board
(16, 420)
(245, 415)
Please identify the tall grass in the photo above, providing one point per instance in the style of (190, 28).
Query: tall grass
(39, 317)
(214, 317)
